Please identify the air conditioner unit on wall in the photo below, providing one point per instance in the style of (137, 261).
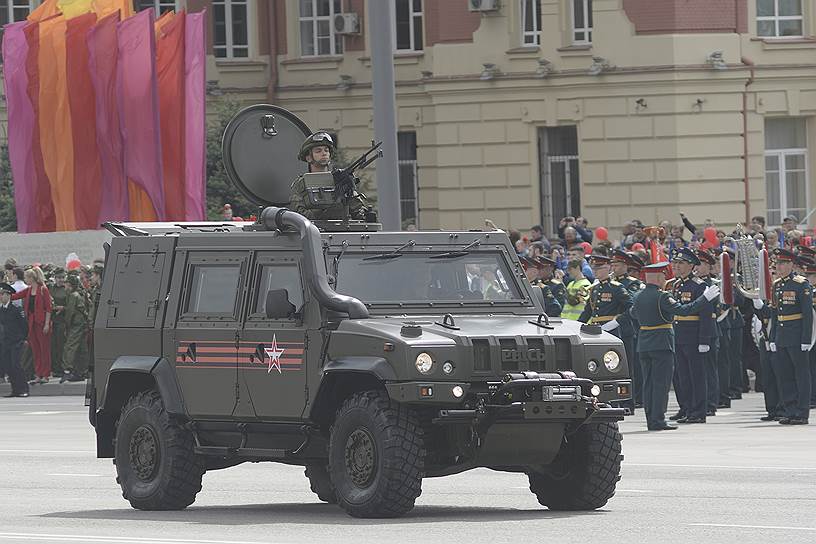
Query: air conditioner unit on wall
(483, 5)
(347, 23)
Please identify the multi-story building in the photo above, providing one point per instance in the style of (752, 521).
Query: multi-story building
(524, 111)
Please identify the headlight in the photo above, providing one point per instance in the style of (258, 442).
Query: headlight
(424, 363)
(592, 366)
(595, 390)
(611, 360)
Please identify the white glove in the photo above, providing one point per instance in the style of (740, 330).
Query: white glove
(711, 292)
(756, 324)
(772, 345)
(805, 347)
(703, 348)
(610, 325)
(759, 303)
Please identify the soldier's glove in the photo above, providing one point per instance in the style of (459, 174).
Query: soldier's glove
(772, 346)
(610, 325)
(711, 292)
(703, 348)
(759, 303)
(805, 347)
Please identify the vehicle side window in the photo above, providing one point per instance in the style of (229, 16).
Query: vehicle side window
(278, 276)
(213, 289)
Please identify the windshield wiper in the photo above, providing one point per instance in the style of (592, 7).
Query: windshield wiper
(393, 254)
(459, 252)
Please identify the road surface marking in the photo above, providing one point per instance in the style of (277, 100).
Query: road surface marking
(78, 475)
(49, 451)
(774, 527)
(728, 467)
(116, 539)
(52, 412)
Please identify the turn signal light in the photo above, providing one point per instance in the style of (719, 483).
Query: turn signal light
(623, 390)
(426, 391)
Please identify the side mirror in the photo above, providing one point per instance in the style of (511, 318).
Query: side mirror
(278, 305)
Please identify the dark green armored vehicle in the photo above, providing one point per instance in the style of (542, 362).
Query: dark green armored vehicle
(373, 359)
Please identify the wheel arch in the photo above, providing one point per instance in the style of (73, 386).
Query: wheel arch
(345, 376)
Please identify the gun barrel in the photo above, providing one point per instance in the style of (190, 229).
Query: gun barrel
(360, 162)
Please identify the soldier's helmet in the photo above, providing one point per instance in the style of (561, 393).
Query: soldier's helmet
(314, 140)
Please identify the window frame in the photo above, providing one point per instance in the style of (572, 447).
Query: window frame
(414, 164)
(776, 18)
(782, 170)
(157, 5)
(335, 39)
(588, 27)
(229, 46)
(412, 16)
(535, 33)
(211, 259)
(8, 7)
(277, 259)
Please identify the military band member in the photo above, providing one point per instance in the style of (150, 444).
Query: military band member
(621, 263)
(608, 302)
(810, 272)
(655, 309)
(532, 271)
(547, 275)
(692, 337)
(791, 328)
(318, 151)
(704, 271)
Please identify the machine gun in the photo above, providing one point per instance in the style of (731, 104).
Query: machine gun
(344, 179)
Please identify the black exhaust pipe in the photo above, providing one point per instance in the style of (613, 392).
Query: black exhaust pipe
(280, 218)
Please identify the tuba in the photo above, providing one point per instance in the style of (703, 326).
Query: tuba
(749, 273)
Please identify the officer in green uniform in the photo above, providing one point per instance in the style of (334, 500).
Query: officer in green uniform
(546, 274)
(704, 271)
(655, 309)
(76, 327)
(608, 302)
(790, 335)
(59, 294)
(321, 199)
(532, 270)
(809, 267)
(620, 271)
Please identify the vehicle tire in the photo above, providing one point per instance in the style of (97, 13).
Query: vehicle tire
(376, 456)
(320, 483)
(155, 461)
(585, 472)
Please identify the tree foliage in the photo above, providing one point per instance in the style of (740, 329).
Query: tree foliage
(8, 215)
(220, 189)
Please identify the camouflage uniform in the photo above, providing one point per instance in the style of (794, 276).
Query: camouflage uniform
(299, 202)
(75, 356)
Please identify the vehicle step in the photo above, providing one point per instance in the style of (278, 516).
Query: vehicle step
(219, 451)
(259, 452)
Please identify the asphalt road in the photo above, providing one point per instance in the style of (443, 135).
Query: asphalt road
(734, 479)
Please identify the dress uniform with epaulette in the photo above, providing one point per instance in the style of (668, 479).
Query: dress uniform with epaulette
(790, 335)
(556, 286)
(710, 358)
(629, 326)
(692, 338)
(608, 302)
(655, 310)
(810, 270)
(551, 305)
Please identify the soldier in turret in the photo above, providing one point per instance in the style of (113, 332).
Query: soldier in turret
(332, 196)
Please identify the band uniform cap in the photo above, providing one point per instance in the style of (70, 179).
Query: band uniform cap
(706, 257)
(527, 262)
(687, 255)
(599, 259)
(809, 267)
(783, 254)
(805, 260)
(619, 256)
(807, 251)
(635, 261)
(656, 267)
(545, 261)
(6, 288)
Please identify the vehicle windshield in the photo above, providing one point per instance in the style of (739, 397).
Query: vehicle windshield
(428, 277)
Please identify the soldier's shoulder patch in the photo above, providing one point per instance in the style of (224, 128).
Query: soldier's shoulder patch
(799, 279)
(697, 280)
(777, 280)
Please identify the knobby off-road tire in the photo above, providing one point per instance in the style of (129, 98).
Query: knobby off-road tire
(585, 471)
(320, 483)
(376, 456)
(154, 457)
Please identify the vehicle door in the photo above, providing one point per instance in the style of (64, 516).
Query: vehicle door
(272, 352)
(206, 331)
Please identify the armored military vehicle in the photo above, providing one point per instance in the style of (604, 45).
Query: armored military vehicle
(373, 359)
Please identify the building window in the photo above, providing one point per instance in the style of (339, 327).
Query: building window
(317, 36)
(231, 29)
(780, 18)
(407, 162)
(582, 21)
(559, 175)
(530, 22)
(408, 25)
(12, 11)
(786, 168)
(160, 6)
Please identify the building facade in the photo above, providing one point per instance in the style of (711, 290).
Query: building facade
(525, 111)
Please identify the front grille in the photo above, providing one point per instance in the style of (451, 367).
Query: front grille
(536, 345)
(563, 354)
(481, 355)
(509, 354)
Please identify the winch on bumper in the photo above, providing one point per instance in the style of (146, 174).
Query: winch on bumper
(518, 397)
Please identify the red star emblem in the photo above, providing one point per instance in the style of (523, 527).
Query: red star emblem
(274, 355)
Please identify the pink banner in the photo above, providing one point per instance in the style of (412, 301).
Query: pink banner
(195, 132)
(102, 62)
(139, 107)
(21, 122)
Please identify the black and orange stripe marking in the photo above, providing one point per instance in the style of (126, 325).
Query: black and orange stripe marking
(215, 354)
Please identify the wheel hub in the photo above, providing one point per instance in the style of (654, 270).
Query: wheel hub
(361, 458)
(144, 453)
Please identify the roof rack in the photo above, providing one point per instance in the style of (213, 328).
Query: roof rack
(161, 229)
